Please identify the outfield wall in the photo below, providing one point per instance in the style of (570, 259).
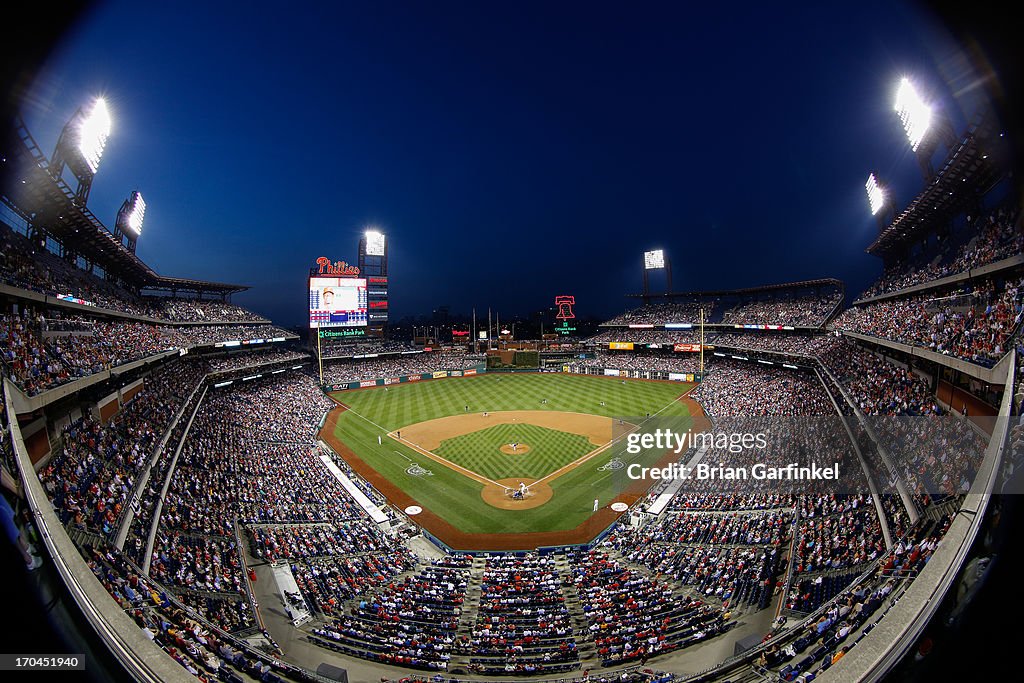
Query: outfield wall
(403, 379)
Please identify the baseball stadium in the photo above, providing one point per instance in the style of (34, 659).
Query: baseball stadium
(787, 459)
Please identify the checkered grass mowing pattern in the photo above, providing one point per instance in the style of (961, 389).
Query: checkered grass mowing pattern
(549, 450)
(456, 498)
(405, 404)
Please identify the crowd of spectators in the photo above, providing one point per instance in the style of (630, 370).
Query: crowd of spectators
(149, 495)
(633, 616)
(38, 361)
(998, 237)
(523, 625)
(823, 639)
(768, 341)
(839, 540)
(198, 563)
(27, 266)
(326, 583)
(198, 311)
(202, 651)
(733, 557)
(972, 324)
(732, 528)
(339, 538)
(810, 310)
(937, 458)
(666, 337)
(740, 500)
(346, 348)
(92, 473)
(41, 352)
(248, 456)
(265, 356)
(877, 386)
(626, 360)
(665, 312)
(361, 370)
(411, 622)
(741, 388)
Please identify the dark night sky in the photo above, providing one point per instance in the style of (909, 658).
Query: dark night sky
(511, 153)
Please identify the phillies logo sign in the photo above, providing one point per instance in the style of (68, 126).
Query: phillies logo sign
(565, 304)
(336, 269)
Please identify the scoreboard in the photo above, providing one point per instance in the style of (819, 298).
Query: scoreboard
(338, 302)
(377, 299)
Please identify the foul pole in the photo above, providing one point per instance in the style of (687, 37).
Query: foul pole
(319, 356)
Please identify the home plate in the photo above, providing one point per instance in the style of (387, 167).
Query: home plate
(619, 507)
(413, 510)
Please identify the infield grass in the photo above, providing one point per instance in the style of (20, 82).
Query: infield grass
(481, 451)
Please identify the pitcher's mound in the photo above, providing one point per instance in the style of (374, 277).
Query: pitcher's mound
(520, 449)
(501, 498)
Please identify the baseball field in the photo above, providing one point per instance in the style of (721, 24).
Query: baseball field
(506, 461)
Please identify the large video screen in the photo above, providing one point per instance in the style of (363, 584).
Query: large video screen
(337, 302)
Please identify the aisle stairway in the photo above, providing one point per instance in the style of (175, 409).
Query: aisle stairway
(580, 625)
(470, 609)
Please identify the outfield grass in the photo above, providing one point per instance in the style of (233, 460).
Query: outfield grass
(454, 497)
(480, 451)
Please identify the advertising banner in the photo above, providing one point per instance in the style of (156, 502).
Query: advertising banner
(620, 346)
(467, 373)
(611, 372)
(368, 383)
(438, 374)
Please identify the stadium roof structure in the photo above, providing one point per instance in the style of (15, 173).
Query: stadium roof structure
(971, 168)
(745, 291)
(49, 203)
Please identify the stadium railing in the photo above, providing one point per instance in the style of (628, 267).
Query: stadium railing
(963, 276)
(994, 375)
(886, 645)
(140, 656)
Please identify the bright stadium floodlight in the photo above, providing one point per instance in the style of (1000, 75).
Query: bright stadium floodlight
(914, 113)
(654, 259)
(374, 243)
(93, 133)
(876, 195)
(136, 213)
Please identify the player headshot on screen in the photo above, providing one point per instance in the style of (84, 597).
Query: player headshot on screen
(328, 298)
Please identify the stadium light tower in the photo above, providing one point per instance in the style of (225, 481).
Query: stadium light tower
(924, 124)
(915, 114)
(656, 260)
(129, 219)
(80, 146)
(878, 200)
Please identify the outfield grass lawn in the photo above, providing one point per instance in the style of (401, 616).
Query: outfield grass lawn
(456, 498)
